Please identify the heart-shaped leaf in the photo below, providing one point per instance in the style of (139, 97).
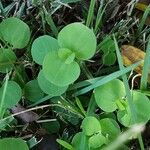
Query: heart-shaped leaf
(142, 107)
(7, 59)
(32, 91)
(107, 95)
(79, 39)
(49, 88)
(97, 140)
(41, 46)
(13, 143)
(58, 72)
(90, 125)
(12, 96)
(15, 32)
(110, 128)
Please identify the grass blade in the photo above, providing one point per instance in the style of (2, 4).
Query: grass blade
(90, 13)
(146, 68)
(143, 20)
(50, 22)
(107, 79)
(2, 101)
(128, 93)
(100, 14)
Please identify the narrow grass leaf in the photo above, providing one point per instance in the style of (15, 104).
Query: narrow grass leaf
(107, 79)
(146, 68)
(143, 20)
(128, 93)
(90, 13)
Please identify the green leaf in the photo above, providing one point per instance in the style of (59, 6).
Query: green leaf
(15, 32)
(51, 127)
(142, 105)
(12, 96)
(58, 72)
(65, 144)
(108, 48)
(32, 91)
(7, 59)
(79, 39)
(69, 1)
(13, 143)
(76, 140)
(108, 94)
(42, 46)
(107, 45)
(6, 122)
(110, 128)
(109, 58)
(67, 55)
(49, 88)
(90, 126)
(97, 141)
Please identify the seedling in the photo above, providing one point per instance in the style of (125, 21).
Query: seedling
(59, 58)
(110, 99)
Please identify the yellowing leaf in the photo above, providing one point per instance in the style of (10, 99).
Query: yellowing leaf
(132, 55)
(141, 6)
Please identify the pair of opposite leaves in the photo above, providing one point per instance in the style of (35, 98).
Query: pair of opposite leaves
(59, 57)
(110, 97)
(15, 34)
(98, 132)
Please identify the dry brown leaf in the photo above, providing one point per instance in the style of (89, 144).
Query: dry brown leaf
(131, 55)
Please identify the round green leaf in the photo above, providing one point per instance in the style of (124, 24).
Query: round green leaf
(58, 72)
(49, 88)
(97, 141)
(79, 39)
(142, 108)
(90, 126)
(76, 140)
(41, 46)
(107, 45)
(107, 95)
(110, 128)
(7, 59)
(15, 32)
(12, 96)
(13, 143)
(32, 91)
(109, 58)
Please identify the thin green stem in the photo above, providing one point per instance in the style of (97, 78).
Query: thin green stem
(86, 70)
(90, 13)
